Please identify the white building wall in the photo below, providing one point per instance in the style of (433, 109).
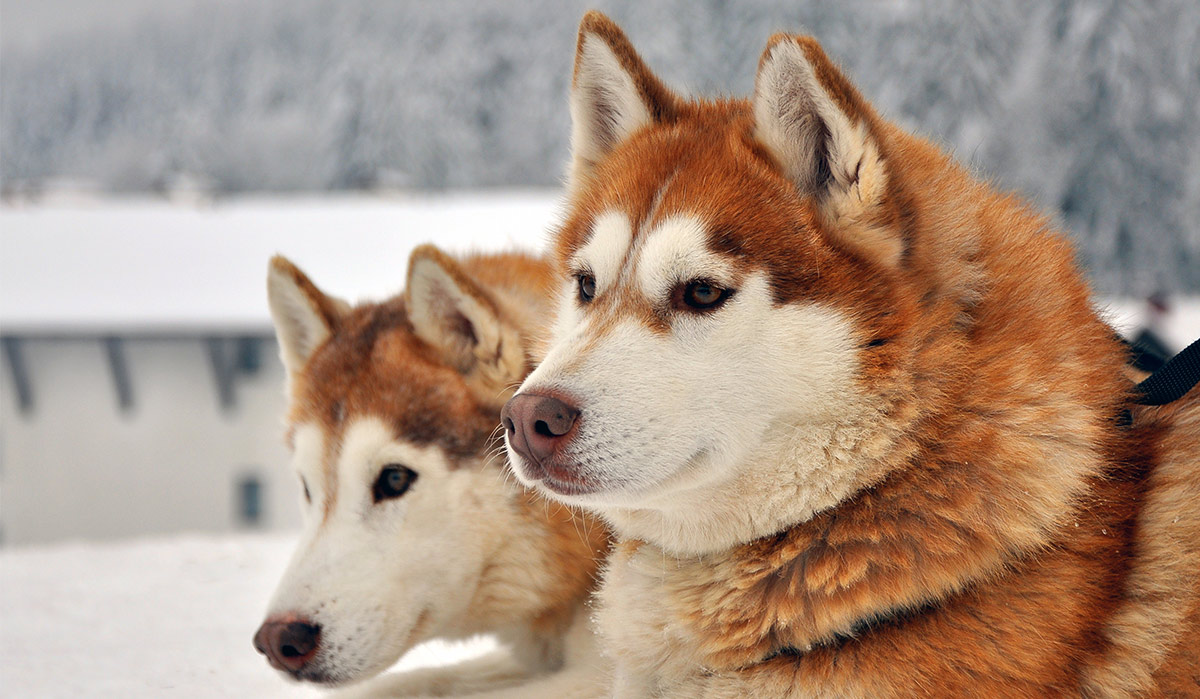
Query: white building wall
(77, 467)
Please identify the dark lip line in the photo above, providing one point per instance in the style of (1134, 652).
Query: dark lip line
(564, 488)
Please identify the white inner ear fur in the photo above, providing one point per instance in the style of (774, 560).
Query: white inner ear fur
(799, 122)
(447, 316)
(299, 326)
(606, 106)
(466, 329)
(677, 251)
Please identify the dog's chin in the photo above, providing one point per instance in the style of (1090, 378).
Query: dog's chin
(323, 675)
(332, 670)
(660, 491)
(330, 674)
(558, 479)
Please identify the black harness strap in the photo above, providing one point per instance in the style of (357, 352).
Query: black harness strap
(1173, 380)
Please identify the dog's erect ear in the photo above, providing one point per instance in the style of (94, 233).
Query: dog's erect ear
(813, 121)
(459, 318)
(613, 94)
(304, 316)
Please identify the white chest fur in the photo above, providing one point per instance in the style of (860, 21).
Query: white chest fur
(650, 645)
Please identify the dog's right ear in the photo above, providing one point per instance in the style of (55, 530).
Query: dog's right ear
(460, 319)
(811, 118)
(304, 316)
(613, 94)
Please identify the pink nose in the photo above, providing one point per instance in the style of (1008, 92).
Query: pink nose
(538, 425)
(288, 645)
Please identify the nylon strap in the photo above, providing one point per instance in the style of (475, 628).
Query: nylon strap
(1173, 380)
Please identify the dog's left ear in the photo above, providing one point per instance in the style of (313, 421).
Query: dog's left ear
(811, 118)
(461, 320)
(304, 315)
(613, 94)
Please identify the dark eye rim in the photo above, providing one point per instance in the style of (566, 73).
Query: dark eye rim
(385, 489)
(681, 296)
(307, 492)
(581, 278)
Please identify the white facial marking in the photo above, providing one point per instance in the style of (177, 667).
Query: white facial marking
(604, 253)
(677, 251)
(674, 423)
(569, 315)
(367, 447)
(308, 456)
(371, 571)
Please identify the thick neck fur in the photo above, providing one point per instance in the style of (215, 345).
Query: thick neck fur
(542, 570)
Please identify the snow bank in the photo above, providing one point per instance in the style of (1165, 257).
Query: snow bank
(148, 618)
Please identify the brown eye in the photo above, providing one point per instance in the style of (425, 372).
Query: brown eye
(394, 480)
(587, 287)
(700, 295)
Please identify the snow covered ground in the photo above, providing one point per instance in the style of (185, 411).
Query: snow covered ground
(149, 618)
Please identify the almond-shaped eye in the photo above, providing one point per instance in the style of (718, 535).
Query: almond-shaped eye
(307, 494)
(700, 295)
(587, 287)
(394, 480)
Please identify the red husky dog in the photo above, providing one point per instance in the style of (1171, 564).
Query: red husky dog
(849, 410)
(412, 531)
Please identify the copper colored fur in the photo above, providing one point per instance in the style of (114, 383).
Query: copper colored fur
(1011, 537)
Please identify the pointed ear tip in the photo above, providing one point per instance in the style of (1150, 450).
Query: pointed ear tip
(596, 22)
(425, 253)
(807, 44)
(429, 264)
(279, 264)
(281, 270)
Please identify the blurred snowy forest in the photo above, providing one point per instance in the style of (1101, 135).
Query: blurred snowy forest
(1088, 106)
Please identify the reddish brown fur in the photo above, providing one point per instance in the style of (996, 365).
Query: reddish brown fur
(958, 572)
(373, 364)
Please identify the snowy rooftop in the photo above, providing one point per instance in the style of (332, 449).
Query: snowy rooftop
(154, 266)
(141, 265)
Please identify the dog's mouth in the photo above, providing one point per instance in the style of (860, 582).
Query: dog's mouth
(557, 476)
(330, 668)
(567, 484)
(562, 478)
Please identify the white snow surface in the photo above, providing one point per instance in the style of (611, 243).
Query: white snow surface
(148, 618)
(113, 265)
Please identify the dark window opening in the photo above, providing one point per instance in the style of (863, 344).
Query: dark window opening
(249, 501)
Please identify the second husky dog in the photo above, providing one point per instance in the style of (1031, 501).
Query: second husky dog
(411, 531)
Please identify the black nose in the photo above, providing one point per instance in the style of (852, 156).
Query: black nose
(538, 425)
(288, 645)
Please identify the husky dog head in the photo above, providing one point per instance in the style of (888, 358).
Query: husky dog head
(738, 286)
(409, 532)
